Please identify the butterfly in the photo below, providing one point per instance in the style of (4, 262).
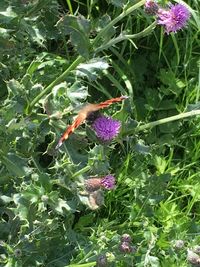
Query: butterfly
(84, 114)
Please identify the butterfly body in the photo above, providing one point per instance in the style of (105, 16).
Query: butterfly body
(83, 115)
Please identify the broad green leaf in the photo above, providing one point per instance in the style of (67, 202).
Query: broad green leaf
(23, 206)
(7, 16)
(153, 261)
(141, 148)
(5, 199)
(77, 93)
(79, 29)
(85, 221)
(14, 87)
(33, 31)
(174, 84)
(92, 68)
(16, 165)
(61, 206)
(101, 23)
(118, 3)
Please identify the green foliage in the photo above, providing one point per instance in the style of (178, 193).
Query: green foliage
(55, 57)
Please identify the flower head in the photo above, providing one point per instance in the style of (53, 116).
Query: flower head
(193, 257)
(125, 247)
(106, 128)
(108, 182)
(126, 238)
(196, 249)
(178, 244)
(102, 261)
(93, 184)
(173, 19)
(17, 253)
(151, 7)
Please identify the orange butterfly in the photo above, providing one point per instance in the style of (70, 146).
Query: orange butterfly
(83, 115)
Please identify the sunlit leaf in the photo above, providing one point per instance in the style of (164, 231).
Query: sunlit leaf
(92, 68)
(78, 28)
(15, 164)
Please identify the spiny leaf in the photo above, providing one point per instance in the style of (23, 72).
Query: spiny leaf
(79, 29)
(92, 68)
(15, 164)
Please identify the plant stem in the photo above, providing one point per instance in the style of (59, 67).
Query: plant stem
(58, 80)
(117, 19)
(70, 6)
(162, 121)
(83, 170)
(123, 37)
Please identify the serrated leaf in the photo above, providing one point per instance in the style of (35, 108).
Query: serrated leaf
(5, 199)
(118, 3)
(153, 261)
(79, 29)
(7, 16)
(61, 206)
(22, 206)
(174, 84)
(15, 164)
(14, 87)
(101, 24)
(77, 93)
(141, 148)
(34, 32)
(92, 69)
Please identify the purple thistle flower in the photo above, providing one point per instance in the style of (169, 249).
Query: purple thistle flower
(126, 238)
(93, 184)
(125, 247)
(108, 182)
(106, 128)
(173, 19)
(151, 7)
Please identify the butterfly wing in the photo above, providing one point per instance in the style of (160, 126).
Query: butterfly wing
(109, 102)
(80, 119)
(82, 116)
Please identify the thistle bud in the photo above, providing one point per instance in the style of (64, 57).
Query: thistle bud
(126, 238)
(102, 261)
(178, 244)
(193, 257)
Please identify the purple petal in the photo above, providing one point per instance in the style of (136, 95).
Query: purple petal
(106, 128)
(108, 182)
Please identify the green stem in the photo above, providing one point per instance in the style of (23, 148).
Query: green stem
(70, 6)
(123, 37)
(162, 121)
(117, 19)
(83, 170)
(55, 82)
